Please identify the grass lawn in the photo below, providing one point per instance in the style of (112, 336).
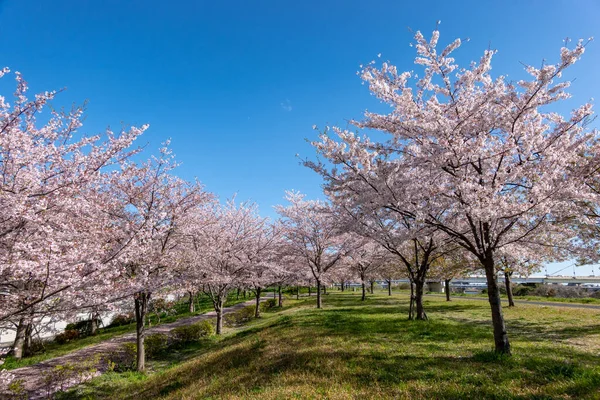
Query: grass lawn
(54, 349)
(370, 350)
(577, 300)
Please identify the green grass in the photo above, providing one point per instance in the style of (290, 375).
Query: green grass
(580, 300)
(54, 349)
(356, 350)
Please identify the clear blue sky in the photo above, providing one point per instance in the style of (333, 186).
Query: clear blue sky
(237, 85)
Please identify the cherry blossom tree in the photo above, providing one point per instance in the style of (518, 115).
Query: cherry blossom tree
(313, 237)
(364, 259)
(150, 209)
(261, 256)
(413, 244)
(228, 243)
(486, 161)
(510, 263)
(49, 225)
(453, 265)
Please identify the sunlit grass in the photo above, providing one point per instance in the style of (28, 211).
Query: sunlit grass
(370, 350)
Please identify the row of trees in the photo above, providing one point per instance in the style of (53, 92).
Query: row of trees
(476, 174)
(473, 167)
(86, 227)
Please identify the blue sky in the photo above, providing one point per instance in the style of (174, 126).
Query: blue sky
(237, 85)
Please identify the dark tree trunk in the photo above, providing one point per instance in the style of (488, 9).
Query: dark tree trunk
(191, 305)
(502, 344)
(420, 311)
(257, 307)
(324, 289)
(94, 323)
(28, 339)
(342, 286)
(389, 282)
(141, 308)
(280, 303)
(244, 293)
(319, 304)
(372, 283)
(237, 295)
(364, 289)
(219, 310)
(309, 290)
(447, 289)
(411, 308)
(509, 293)
(19, 343)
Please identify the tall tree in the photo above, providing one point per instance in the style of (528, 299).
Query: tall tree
(312, 236)
(50, 229)
(228, 243)
(150, 209)
(484, 160)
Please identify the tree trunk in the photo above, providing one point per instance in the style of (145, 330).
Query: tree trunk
(411, 308)
(191, 307)
(257, 309)
(509, 293)
(389, 282)
(141, 308)
(372, 283)
(298, 292)
(319, 294)
(342, 286)
(280, 297)
(244, 293)
(364, 290)
(447, 289)
(324, 289)
(420, 311)
(17, 349)
(219, 311)
(237, 296)
(28, 339)
(94, 323)
(309, 291)
(502, 344)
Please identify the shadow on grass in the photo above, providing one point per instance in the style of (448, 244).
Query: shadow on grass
(366, 348)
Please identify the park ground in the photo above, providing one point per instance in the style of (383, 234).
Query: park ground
(369, 350)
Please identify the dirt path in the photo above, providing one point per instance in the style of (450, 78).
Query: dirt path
(35, 377)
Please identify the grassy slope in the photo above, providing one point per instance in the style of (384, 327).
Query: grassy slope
(54, 349)
(370, 350)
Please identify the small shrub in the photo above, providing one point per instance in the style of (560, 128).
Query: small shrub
(122, 319)
(207, 328)
(84, 326)
(193, 332)
(239, 317)
(561, 291)
(522, 290)
(37, 346)
(268, 304)
(67, 336)
(156, 343)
